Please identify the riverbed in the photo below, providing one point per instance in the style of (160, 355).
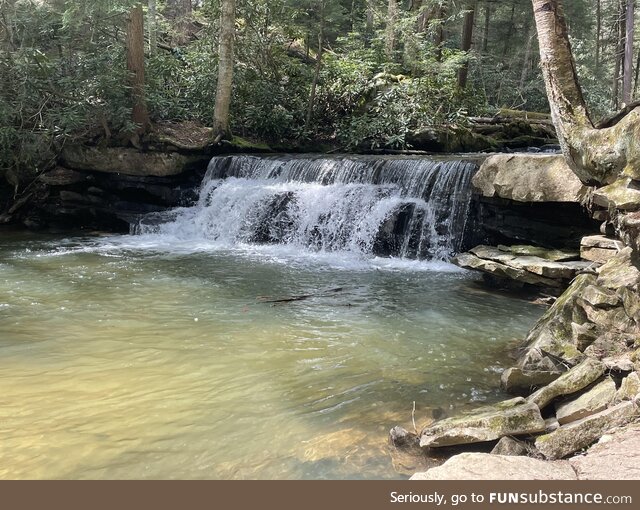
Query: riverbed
(136, 357)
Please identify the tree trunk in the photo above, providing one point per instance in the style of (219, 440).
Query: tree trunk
(369, 23)
(467, 37)
(7, 12)
(597, 156)
(438, 39)
(135, 65)
(225, 70)
(627, 79)
(316, 74)
(392, 15)
(527, 57)
(507, 40)
(598, 33)
(153, 34)
(487, 20)
(619, 56)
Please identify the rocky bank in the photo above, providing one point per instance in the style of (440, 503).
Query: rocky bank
(577, 373)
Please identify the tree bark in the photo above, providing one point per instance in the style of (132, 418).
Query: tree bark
(153, 33)
(438, 39)
(627, 79)
(487, 20)
(467, 37)
(598, 33)
(392, 15)
(597, 156)
(225, 70)
(316, 74)
(135, 66)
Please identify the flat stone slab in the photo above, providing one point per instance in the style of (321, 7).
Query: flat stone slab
(532, 264)
(623, 194)
(543, 253)
(509, 418)
(485, 466)
(599, 248)
(576, 379)
(470, 261)
(529, 178)
(593, 401)
(579, 434)
(617, 458)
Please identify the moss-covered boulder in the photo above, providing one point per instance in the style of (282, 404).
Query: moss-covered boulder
(572, 381)
(577, 435)
(508, 418)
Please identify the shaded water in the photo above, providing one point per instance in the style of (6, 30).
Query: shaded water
(148, 357)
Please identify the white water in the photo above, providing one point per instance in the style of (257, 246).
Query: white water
(407, 208)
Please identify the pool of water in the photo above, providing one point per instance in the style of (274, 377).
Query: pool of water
(123, 357)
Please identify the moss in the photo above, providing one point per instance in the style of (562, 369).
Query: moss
(249, 145)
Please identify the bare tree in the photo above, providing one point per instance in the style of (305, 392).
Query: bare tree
(225, 70)
(135, 65)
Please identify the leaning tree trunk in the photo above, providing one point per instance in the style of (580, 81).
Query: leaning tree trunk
(135, 66)
(597, 156)
(225, 70)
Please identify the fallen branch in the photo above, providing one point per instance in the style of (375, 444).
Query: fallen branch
(299, 297)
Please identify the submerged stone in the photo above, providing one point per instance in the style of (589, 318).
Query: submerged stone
(508, 418)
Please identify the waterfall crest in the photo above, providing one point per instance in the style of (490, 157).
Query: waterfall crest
(387, 206)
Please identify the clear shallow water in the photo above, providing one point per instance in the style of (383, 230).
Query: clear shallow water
(134, 357)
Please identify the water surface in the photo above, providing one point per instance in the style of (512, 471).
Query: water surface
(123, 357)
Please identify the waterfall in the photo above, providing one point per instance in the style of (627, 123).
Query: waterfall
(387, 206)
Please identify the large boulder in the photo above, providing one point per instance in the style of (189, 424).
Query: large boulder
(553, 338)
(579, 434)
(485, 466)
(508, 418)
(616, 457)
(529, 178)
(128, 161)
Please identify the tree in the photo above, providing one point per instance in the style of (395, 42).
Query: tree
(628, 53)
(598, 155)
(392, 18)
(135, 66)
(178, 12)
(153, 33)
(225, 70)
(467, 37)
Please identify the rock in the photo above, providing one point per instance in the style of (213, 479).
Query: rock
(553, 333)
(544, 253)
(584, 334)
(630, 302)
(579, 434)
(620, 271)
(570, 382)
(532, 264)
(496, 269)
(623, 194)
(128, 161)
(510, 446)
(593, 401)
(529, 178)
(61, 176)
(618, 458)
(551, 424)
(402, 438)
(508, 418)
(630, 388)
(611, 346)
(599, 248)
(523, 382)
(599, 297)
(484, 466)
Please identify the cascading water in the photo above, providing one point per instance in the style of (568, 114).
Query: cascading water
(401, 207)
